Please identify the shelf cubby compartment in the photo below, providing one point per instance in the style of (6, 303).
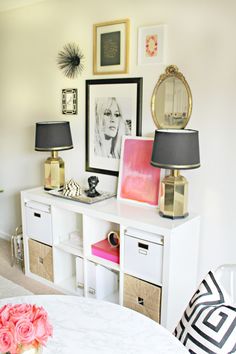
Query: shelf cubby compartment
(65, 272)
(96, 230)
(73, 245)
(102, 282)
(68, 231)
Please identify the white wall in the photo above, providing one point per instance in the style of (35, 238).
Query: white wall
(200, 42)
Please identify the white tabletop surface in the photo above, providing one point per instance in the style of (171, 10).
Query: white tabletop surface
(87, 326)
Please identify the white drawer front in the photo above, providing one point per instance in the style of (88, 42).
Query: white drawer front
(39, 225)
(143, 258)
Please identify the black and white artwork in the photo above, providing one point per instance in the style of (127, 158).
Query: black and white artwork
(113, 109)
(110, 125)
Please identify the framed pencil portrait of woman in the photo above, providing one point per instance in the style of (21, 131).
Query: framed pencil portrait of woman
(113, 110)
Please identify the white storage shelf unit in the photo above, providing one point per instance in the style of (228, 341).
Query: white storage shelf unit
(154, 249)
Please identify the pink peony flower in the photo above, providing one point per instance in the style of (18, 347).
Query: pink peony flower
(43, 330)
(19, 311)
(7, 343)
(23, 324)
(4, 314)
(24, 331)
(39, 312)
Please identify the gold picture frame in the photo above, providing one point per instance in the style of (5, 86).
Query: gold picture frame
(111, 47)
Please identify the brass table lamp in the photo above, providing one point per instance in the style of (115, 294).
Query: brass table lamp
(53, 136)
(175, 149)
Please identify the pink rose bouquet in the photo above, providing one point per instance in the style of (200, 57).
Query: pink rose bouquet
(23, 325)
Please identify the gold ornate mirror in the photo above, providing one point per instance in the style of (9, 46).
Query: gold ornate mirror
(171, 103)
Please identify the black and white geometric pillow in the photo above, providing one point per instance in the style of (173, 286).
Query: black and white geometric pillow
(209, 322)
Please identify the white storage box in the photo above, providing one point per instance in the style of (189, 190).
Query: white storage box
(102, 281)
(142, 257)
(38, 222)
(79, 275)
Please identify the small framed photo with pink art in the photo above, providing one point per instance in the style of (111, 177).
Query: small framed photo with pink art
(151, 45)
(139, 181)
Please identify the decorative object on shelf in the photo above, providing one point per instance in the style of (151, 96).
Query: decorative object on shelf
(104, 250)
(71, 189)
(151, 44)
(138, 181)
(111, 47)
(113, 109)
(75, 240)
(92, 182)
(175, 150)
(113, 238)
(171, 102)
(70, 60)
(53, 136)
(83, 198)
(25, 328)
(69, 101)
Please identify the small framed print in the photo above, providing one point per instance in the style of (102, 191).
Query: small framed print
(151, 45)
(111, 47)
(69, 101)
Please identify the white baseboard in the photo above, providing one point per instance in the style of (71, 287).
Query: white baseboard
(5, 236)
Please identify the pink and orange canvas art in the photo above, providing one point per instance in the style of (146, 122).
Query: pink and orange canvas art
(138, 180)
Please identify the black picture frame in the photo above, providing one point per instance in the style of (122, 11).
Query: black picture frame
(125, 96)
(69, 101)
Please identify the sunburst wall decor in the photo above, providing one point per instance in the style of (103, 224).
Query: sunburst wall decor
(70, 60)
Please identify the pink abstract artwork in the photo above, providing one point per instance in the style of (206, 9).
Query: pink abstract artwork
(138, 181)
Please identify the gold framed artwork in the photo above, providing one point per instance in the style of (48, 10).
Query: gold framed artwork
(151, 45)
(111, 47)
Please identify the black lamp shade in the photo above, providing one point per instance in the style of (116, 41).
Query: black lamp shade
(176, 149)
(54, 135)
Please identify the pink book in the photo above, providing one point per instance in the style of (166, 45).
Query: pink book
(104, 250)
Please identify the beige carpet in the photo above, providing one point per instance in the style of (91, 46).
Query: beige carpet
(16, 275)
(10, 289)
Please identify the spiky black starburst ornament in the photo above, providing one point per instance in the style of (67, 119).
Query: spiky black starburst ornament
(70, 60)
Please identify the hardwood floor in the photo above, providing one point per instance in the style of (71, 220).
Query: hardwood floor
(15, 273)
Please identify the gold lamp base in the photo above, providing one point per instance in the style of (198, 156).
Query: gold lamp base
(54, 172)
(174, 196)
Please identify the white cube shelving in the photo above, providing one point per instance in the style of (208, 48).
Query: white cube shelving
(154, 249)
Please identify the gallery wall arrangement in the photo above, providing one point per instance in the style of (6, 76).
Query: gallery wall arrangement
(121, 97)
(114, 111)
